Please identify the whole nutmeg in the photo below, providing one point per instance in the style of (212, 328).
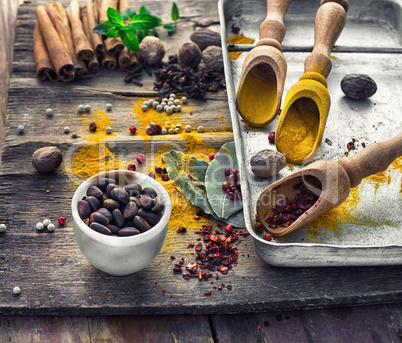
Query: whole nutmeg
(358, 86)
(189, 55)
(151, 50)
(205, 38)
(47, 159)
(213, 58)
(267, 163)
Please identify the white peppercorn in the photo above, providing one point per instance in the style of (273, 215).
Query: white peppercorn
(144, 108)
(200, 129)
(177, 130)
(21, 128)
(39, 226)
(49, 112)
(173, 96)
(108, 107)
(150, 102)
(50, 227)
(170, 103)
(174, 109)
(178, 108)
(164, 132)
(159, 108)
(66, 129)
(179, 126)
(171, 131)
(87, 108)
(46, 222)
(16, 290)
(3, 227)
(167, 124)
(184, 100)
(164, 103)
(169, 110)
(109, 130)
(187, 128)
(165, 100)
(151, 124)
(145, 103)
(176, 102)
(155, 104)
(80, 108)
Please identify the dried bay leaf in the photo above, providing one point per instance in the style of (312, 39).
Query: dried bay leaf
(222, 205)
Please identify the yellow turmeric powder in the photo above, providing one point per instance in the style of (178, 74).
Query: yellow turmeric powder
(298, 134)
(258, 98)
(238, 39)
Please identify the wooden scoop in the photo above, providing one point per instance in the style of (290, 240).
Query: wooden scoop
(260, 90)
(308, 100)
(329, 180)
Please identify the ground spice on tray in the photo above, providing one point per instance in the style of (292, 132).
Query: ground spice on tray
(238, 39)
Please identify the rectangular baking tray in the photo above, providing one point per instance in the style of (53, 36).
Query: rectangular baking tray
(370, 43)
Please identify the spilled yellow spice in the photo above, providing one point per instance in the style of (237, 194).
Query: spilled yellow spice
(238, 39)
(102, 121)
(298, 134)
(258, 99)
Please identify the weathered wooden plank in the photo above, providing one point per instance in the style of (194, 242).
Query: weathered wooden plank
(44, 329)
(146, 329)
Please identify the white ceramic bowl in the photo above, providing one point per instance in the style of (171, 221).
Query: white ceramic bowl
(121, 255)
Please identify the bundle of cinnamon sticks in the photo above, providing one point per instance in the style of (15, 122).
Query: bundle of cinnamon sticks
(65, 46)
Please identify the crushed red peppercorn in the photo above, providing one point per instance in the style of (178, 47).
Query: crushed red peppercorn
(181, 229)
(351, 145)
(285, 214)
(328, 141)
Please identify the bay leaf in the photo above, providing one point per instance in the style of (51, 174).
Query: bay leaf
(222, 205)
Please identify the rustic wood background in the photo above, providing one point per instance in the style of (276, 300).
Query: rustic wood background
(56, 279)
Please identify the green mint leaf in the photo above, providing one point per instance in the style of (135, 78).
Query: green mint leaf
(141, 34)
(175, 12)
(113, 33)
(115, 17)
(155, 33)
(144, 10)
(127, 14)
(101, 29)
(129, 28)
(145, 21)
(130, 40)
(171, 28)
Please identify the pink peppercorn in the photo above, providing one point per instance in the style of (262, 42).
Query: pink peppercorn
(141, 158)
(271, 137)
(131, 167)
(133, 129)
(228, 228)
(62, 220)
(211, 157)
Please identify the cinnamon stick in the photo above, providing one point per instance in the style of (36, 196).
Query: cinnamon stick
(109, 61)
(58, 53)
(113, 45)
(93, 65)
(123, 5)
(97, 42)
(82, 47)
(58, 16)
(43, 64)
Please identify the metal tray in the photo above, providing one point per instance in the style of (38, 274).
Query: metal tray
(371, 43)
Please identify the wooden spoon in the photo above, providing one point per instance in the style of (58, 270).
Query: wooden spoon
(329, 180)
(264, 68)
(309, 98)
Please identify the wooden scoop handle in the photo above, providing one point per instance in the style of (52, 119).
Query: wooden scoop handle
(329, 22)
(273, 27)
(373, 159)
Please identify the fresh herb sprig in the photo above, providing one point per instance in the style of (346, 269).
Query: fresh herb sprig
(140, 25)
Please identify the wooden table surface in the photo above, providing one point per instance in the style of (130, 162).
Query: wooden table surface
(40, 264)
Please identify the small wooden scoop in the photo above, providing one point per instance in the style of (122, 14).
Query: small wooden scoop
(309, 99)
(329, 180)
(264, 69)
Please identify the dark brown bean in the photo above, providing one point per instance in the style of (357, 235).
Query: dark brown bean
(104, 197)
(130, 210)
(150, 217)
(128, 231)
(149, 192)
(120, 195)
(94, 203)
(106, 213)
(111, 204)
(84, 210)
(95, 192)
(98, 218)
(113, 228)
(141, 224)
(134, 189)
(109, 189)
(135, 201)
(146, 202)
(159, 206)
(100, 228)
(103, 182)
(118, 218)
